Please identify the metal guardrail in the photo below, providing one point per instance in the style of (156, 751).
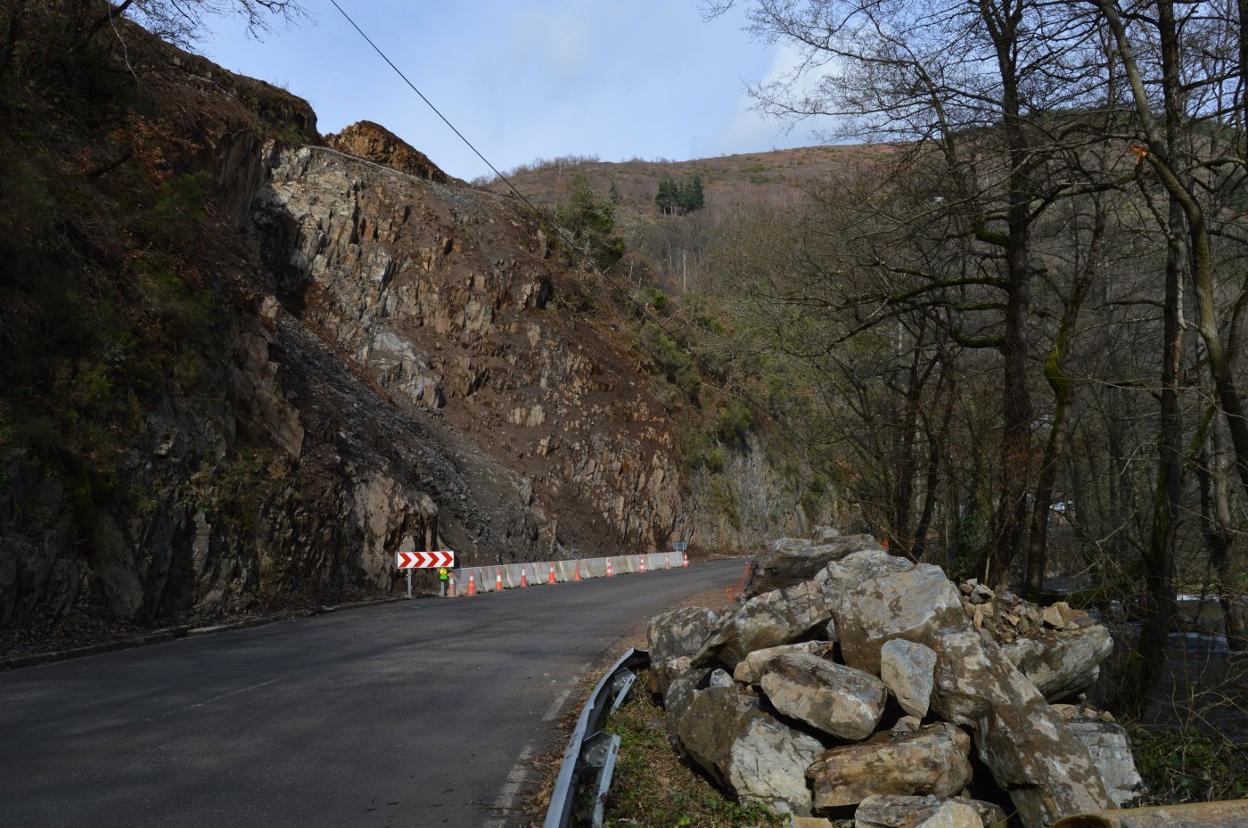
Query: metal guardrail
(589, 749)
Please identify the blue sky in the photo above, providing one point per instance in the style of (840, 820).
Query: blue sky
(526, 79)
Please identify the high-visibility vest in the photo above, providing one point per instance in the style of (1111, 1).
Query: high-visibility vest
(442, 573)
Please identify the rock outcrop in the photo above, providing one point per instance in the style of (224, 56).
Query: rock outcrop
(826, 654)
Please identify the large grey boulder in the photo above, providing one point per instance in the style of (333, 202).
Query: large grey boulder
(907, 670)
(1110, 748)
(1026, 744)
(834, 698)
(931, 760)
(750, 669)
(773, 618)
(1061, 664)
(791, 560)
(912, 604)
(724, 732)
(916, 811)
(673, 638)
(841, 579)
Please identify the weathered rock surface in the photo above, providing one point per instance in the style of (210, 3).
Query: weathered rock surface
(673, 638)
(750, 669)
(912, 604)
(932, 760)
(773, 618)
(912, 811)
(907, 670)
(375, 143)
(1110, 749)
(792, 560)
(841, 579)
(725, 732)
(824, 534)
(839, 700)
(1062, 664)
(1028, 747)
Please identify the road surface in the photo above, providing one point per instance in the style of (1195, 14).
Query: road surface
(409, 714)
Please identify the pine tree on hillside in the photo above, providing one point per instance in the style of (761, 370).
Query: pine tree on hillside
(697, 197)
(668, 196)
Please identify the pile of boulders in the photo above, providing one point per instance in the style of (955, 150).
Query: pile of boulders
(851, 683)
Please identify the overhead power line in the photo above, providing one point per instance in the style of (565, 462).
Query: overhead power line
(544, 220)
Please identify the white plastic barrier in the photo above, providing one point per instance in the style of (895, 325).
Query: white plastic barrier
(509, 576)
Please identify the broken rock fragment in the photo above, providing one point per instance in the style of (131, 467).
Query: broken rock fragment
(927, 812)
(1031, 752)
(750, 669)
(791, 560)
(673, 637)
(932, 760)
(906, 669)
(725, 732)
(768, 620)
(839, 700)
(911, 604)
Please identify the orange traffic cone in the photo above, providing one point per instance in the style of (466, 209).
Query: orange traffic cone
(450, 588)
(576, 576)
(498, 578)
(643, 564)
(609, 572)
(472, 584)
(686, 563)
(524, 577)
(552, 575)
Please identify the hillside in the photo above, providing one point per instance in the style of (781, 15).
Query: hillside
(246, 365)
(731, 181)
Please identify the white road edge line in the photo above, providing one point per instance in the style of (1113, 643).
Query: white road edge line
(519, 773)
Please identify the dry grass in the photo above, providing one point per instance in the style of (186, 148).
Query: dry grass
(653, 787)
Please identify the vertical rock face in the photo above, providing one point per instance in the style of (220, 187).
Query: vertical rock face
(441, 295)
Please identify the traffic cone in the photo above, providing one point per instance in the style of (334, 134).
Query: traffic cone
(524, 577)
(686, 563)
(667, 561)
(498, 578)
(609, 572)
(576, 576)
(472, 584)
(552, 574)
(643, 564)
(450, 588)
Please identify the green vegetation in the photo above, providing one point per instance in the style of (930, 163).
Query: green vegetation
(672, 360)
(679, 199)
(653, 787)
(1188, 765)
(591, 221)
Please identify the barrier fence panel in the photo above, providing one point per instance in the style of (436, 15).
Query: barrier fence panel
(488, 578)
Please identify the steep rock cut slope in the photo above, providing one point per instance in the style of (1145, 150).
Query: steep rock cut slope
(448, 299)
(273, 364)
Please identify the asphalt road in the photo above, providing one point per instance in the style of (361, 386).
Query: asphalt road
(410, 714)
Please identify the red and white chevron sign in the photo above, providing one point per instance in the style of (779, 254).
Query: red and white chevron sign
(424, 560)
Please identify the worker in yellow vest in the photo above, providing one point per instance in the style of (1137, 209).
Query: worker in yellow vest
(444, 575)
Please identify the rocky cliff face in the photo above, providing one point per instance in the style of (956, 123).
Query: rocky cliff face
(390, 359)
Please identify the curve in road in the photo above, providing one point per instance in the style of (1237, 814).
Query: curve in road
(409, 714)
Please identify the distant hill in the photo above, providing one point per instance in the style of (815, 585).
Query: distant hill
(730, 180)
